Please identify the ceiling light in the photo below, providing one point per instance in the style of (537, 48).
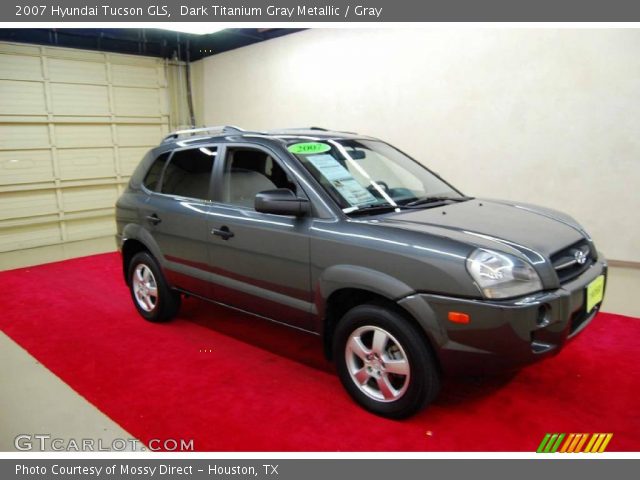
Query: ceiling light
(193, 28)
(206, 151)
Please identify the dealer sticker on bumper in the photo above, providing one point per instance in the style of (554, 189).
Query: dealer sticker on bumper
(595, 292)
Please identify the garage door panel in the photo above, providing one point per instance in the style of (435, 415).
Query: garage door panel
(89, 198)
(18, 238)
(28, 166)
(74, 136)
(74, 54)
(162, 77)
(123, 59)
(130, 158)
(74, 124)
(27, 204)
(86, 228)
(18, 97)
(18, 48)
(137, 101)
(79, 163)
(139, 135)
(74, 71)
(14, 137)
(20, 67)
(80, 99)
(134, 75)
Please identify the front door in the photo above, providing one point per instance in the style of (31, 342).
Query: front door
(260, 261)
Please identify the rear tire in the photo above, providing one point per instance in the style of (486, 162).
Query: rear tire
(152, 296)
(384, 362)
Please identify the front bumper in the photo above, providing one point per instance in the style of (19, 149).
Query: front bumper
(505, 335)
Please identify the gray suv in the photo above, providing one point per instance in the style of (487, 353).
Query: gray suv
(343, 235)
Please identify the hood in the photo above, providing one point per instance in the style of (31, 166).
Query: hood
(530, 230)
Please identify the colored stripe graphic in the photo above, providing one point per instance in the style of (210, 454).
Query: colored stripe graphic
(567, 442)
(574, 443)
(596, 446)
(590, 444)
(606, 442)
(543, 443)
(550, 443)
(582, 442)
(557, 444)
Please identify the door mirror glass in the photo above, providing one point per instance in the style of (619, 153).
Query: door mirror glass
(281, 201)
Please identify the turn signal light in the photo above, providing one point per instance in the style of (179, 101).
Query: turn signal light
(457, 317)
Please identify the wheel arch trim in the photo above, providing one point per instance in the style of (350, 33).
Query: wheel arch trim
(344, 277)
(139, 234)
(339, 277)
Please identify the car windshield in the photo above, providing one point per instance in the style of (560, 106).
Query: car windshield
(361, 174)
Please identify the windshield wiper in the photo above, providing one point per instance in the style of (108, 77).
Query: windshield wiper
(435, 200)
(379, 208)
(420, 203)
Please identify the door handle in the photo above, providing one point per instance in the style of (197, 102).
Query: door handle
(223, 232)
(153, 219)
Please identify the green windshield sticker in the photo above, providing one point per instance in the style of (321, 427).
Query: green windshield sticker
(308, 148)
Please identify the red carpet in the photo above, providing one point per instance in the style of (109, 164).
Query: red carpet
(264, 387)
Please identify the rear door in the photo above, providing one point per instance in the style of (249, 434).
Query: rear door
(175, 215)
(260, 261)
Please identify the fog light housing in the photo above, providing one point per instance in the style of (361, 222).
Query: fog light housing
(544, 316)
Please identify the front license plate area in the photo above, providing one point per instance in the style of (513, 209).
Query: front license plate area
(595, 293)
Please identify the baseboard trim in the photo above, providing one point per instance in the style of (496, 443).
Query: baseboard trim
(623, 264)
(55, 253)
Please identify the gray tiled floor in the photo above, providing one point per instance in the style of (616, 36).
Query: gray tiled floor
(34, 401)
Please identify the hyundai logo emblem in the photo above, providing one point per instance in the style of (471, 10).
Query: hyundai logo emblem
(580, 256)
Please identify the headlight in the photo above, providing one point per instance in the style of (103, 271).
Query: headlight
(500, 275)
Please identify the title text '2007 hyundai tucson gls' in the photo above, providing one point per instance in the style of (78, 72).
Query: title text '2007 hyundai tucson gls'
(343, 235)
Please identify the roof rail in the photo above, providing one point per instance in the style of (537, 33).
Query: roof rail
(215, 130)
(319, 129)
(296, 129)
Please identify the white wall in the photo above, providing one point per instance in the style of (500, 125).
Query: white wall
(539, 115)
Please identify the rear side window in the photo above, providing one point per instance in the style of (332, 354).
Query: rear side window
(188, 174)
(152, 178)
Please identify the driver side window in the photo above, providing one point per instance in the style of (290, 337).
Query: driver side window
(249, 171)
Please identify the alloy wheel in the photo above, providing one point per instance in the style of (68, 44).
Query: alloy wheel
(377, 364)
(145, 288)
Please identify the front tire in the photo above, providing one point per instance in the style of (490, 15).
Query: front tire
(152, 296)
(384, 362)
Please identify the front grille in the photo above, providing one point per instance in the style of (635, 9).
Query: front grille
(572, 261)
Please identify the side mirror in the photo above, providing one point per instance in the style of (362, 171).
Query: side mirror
(281, 201)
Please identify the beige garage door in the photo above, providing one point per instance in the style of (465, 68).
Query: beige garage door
(73, 126)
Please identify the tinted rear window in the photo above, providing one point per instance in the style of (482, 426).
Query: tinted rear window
(188, 173)
(152, 178)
